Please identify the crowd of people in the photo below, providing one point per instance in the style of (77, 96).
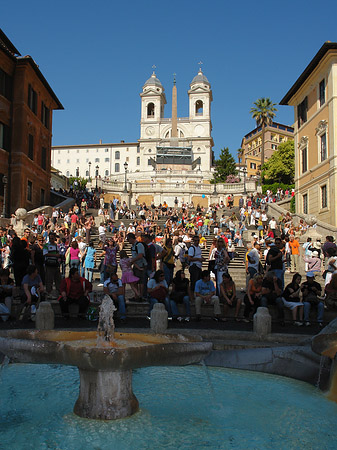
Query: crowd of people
(168, 260)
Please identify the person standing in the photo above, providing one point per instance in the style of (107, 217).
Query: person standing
(52, 259)
(295, 253)
(195, 260)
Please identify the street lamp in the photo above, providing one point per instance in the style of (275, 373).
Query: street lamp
(215, 191)
(244, 170)
(126, 169)
(89, 168)
(96, 175)
(4, 181)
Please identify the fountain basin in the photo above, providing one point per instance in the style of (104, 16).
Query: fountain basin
(105, 371)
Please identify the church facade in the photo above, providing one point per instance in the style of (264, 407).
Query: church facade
(173, 144)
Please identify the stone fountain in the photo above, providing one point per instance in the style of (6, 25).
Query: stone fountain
(105, 360)
(325, 344)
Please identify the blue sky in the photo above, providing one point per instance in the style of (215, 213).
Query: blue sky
(97, 56)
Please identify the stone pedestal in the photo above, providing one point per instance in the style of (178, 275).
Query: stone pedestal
(159, 318)
(106, 395)
(45, 318)
(262, 322)
(125, 197)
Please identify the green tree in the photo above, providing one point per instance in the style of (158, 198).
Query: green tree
(263, 112)
(281, 166)
(81, 182)
(224, 166)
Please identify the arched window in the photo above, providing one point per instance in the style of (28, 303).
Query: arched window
(87, 173)
(117, 167)
(199, 108)
(150, 110)
(117, 155)
(106, 173)
(67, 173)
(138, 160)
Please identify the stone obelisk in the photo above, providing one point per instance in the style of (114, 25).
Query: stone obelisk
(174, 134)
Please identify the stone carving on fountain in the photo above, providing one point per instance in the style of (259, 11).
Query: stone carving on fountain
(325, 344)
(105, 370)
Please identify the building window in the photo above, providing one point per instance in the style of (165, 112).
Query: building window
(77, 160)
(199, 108)
(42, 197)
(150, 110)
(322, 92)
(302, 110)
(273, 146)
(68, 161)
(96, 160)
(252, 165)
(106, 173)
(117, 167)
(138, 150)
(4, 137)
(5, 85)
(45, 114)
(31, 146)
(138, 160)
(106, 150)
(77, 171)
(323, 147)
(44, 158)
(32, 99)
(304, 159)
(324, 195)
(29, 191)
(305, 204)
(87, 173)
(107, 159)
(127, 159)
(149, 162)
(67, 174)
(58, 161)
(117, 155)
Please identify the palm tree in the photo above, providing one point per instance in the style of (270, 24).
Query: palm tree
(263, 112)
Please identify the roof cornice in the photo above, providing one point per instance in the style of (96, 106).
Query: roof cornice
(326, 47)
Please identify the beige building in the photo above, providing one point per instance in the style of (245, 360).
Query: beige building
(314, 98)
(251, 145)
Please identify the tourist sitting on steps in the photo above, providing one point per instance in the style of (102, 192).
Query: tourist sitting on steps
(292, 299)
(158, 291)
(33, 291)
(113, 287)
(205, 293)
(74, 290)
(181, 293)
(253, 295)
(311, 290)
(271, 294)
(228, 294)
(6, 291)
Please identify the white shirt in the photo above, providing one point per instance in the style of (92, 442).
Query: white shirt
(195, 252)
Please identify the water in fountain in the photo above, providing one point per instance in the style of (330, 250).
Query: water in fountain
(106, 324)
(251, 411)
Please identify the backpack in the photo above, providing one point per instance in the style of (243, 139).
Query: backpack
(186, 256)
(147, 254)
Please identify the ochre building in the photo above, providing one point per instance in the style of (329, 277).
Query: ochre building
(314, 98)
